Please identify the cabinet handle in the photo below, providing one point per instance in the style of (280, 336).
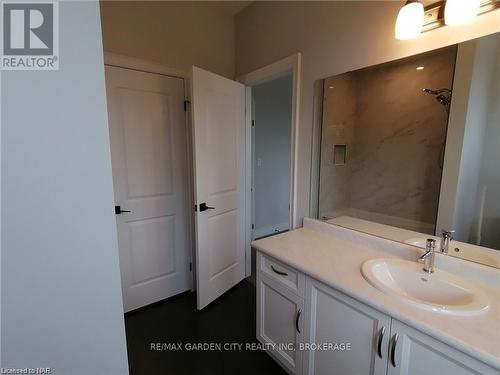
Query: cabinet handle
(379, 341)
(393, 349)
(278, 272)
(299, 312)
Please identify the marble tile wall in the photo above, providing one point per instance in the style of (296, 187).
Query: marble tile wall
(394, 135)
(339, 112)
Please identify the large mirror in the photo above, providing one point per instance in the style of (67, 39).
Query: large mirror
(411, 148)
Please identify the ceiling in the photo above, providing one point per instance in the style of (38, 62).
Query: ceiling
(231, 8)
(234, 7)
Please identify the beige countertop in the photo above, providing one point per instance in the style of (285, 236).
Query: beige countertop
(336, 261)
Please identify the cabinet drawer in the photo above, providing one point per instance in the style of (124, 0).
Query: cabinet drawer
(281, 273)
(280, 322)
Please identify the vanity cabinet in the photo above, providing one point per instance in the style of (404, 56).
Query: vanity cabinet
(357, 334)
(314, 329)
(280, 306)
(379, 344)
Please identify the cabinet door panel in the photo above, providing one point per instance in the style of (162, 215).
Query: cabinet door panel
(279, 322)
(417, 353)
(334, 318)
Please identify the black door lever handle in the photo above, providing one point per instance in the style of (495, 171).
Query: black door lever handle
(118, 210)
(204, 207)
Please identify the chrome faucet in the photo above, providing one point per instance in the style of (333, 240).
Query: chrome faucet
(428, 257)
(446, 237)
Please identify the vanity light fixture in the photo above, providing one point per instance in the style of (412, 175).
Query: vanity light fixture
(413, 19)
(410, 20)
(457, 12)
(419, 68)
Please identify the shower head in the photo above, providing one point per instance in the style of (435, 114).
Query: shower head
(436, 92)
(443, 96)
(443, 99)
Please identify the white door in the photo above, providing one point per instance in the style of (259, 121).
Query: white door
(280, 322)
(413, 353)
(218, 106)
(149, 159)
(334, 318)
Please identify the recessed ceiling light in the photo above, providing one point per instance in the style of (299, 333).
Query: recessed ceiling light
(331, 87)
(420, 68)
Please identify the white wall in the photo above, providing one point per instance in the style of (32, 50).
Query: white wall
(333, 37)
(273, 128)
(467, 126)
(490, 176)
(455, 136)
(476, 122)
(176, 34)
(61, 293)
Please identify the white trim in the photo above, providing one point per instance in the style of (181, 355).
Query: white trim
(122, 61)
(270, 72)
(127, 62)
(248, 181)
(1, 333)
(290, 64)
(252, 166)
(316, 148)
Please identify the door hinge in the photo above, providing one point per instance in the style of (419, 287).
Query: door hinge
(253, 122)
(253, 226)
(186, 102)
(196, 207)
(190, 266)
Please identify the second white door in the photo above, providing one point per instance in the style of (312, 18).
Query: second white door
(150, 174)
(220, 172)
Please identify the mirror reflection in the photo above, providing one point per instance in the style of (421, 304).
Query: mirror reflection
(411, 148)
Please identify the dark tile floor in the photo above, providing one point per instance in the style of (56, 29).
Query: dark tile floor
(230, 319)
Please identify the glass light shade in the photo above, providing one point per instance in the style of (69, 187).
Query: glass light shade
(457, 12)
(410, 21)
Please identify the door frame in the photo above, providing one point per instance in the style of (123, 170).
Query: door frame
(132, 63)
(280, 68)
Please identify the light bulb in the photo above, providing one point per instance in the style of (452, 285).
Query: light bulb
(410, 20)
(457, 12)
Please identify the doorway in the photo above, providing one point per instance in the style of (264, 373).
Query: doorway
(173, 164)
(261, 83)
(271, 156)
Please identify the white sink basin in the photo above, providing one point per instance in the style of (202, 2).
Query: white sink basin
(440, 291)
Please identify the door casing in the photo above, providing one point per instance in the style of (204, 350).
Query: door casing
(290, 64)
(127, 62)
